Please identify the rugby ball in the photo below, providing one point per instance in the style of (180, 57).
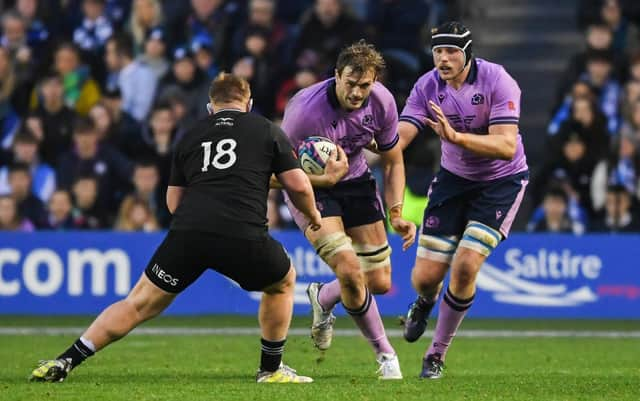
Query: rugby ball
(313, 154)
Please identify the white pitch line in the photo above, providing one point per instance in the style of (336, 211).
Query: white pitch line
(251, 331)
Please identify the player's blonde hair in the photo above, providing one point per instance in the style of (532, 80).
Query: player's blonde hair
(229, 88)
(361, 57)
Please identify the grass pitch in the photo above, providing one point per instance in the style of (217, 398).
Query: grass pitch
(222, 367)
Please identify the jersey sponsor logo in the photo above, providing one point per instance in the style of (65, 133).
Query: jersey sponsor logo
(440, 97)
(511, 106)
(334, 124)
(461, 123)
(224, 122)
(477, 99)
(541, 279)
(162, 275)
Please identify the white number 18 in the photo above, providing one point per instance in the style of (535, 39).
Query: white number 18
(225, 147)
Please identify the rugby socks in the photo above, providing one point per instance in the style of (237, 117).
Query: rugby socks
(329, 295)
(78, 352)
(368, 320)
(271, 355)
(450, 314)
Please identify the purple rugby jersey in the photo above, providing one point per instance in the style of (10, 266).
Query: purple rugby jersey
(489, 96)
(315, 111)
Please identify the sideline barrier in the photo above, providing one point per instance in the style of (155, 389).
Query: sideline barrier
(528, 276)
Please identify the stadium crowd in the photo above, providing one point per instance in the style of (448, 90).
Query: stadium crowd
(94, 95)
(589, 180)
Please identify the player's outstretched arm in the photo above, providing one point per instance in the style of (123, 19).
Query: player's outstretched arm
(174, 196)
(299, 189)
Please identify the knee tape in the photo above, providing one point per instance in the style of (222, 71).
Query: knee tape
(373, 256)
(439, 248)
(480, 238)
(327, 246)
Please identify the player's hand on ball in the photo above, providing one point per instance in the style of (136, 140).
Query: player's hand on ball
(406, 229)
(315, 220)
(337, 166)
(441, 126)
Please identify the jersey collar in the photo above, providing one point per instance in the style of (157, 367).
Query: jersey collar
(332, 97)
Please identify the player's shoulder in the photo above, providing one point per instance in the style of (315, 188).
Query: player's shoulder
(428, 82)
(381, 94)
(491, 72)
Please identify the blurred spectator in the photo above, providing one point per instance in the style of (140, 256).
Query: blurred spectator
(303, 78)
(136, 80)
(146, 186)
(264, 70)
(112, 169)
(37, 32)
(618, 215)
(95, 28)
(580, 89)
(631, 95)
(607, 89)
(161, 138)
(145, 15)
(599, 38)
(80, 90)
(555, 216)
(10, 219)
(60, 212)
(25, 150)
(101, 119)
(625, 35)
(634, 66)
(155, 53)
(202, 50)
(126, 130)
(261, 14)
(213, 19)
(620, 169)
(85, 194)
(631, 126)
(135, 215)
(9, 119)
(177, 99)
(29, 205)
(325, 30)
(572, 154)
(22, 60)
(55, 117)
(190, 80)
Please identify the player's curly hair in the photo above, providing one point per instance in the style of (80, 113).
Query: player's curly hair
(361, 57)
(228, 88)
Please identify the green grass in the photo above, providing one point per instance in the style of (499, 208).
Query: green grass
(222, 367)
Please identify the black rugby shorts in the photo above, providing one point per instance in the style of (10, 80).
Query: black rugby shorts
(184, 255)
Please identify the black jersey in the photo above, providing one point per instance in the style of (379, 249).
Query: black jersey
(225, 163)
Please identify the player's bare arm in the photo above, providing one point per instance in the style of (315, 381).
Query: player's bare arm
(174, 196)
(299, 189)
(501, 142)
(393, 166)
(407, 133)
